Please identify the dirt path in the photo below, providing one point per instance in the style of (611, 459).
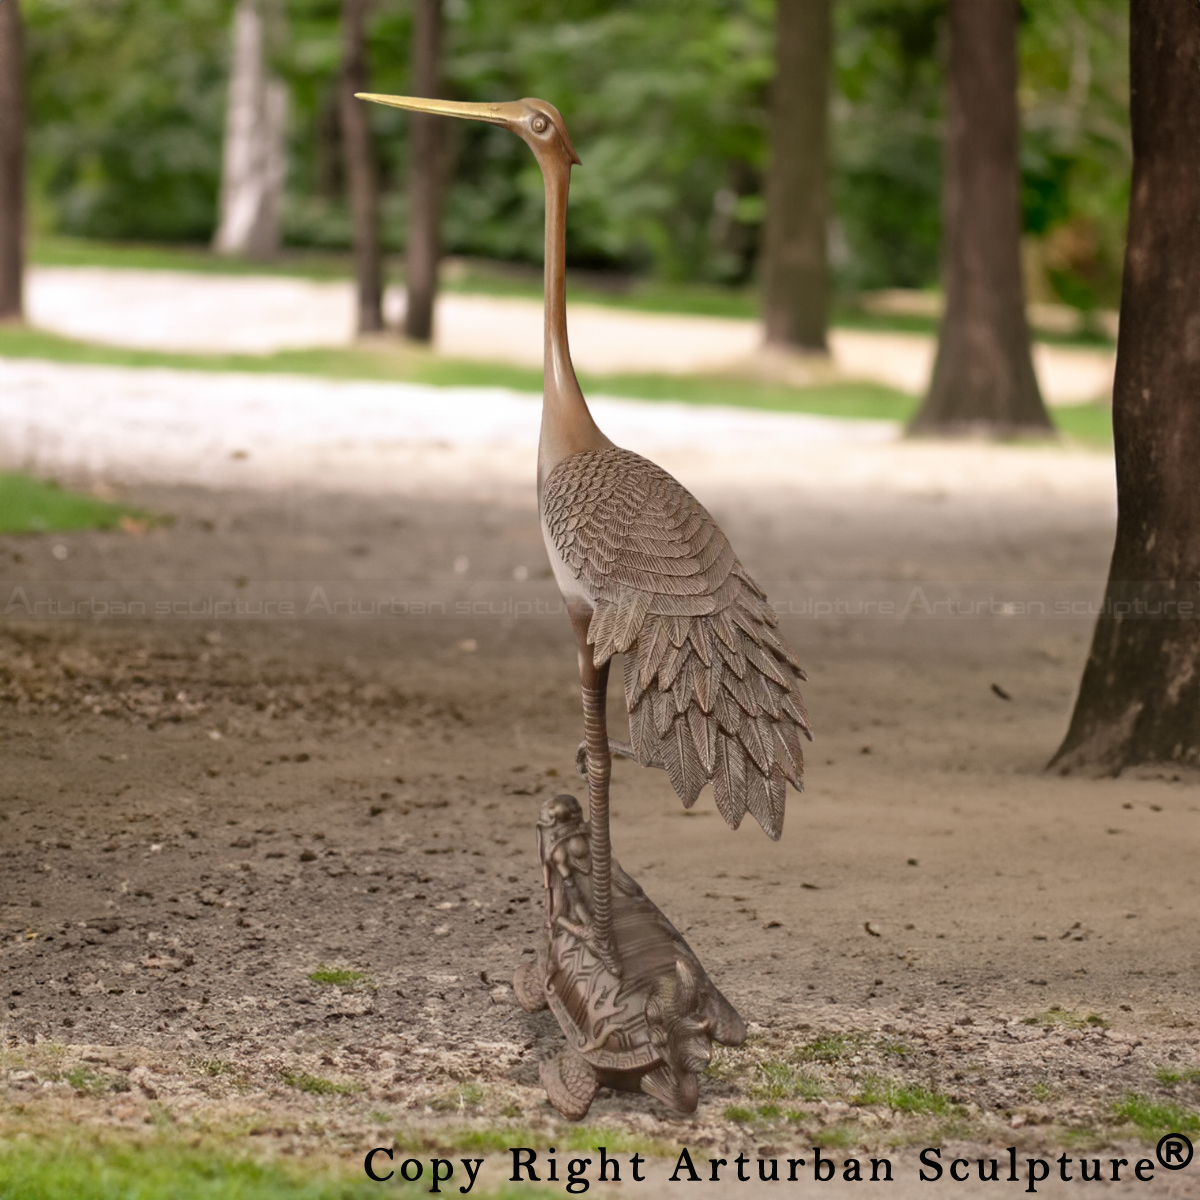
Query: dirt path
(176, 310)
(198, 812)
(279, 431)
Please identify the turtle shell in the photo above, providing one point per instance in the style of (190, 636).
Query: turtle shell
(603, 1017)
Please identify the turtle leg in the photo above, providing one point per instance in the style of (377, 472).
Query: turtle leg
(723, 1021)
(570, 1084)
(529, 986)
(677, 1090)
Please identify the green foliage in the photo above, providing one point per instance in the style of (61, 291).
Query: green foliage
(126, 115)
(887, 142)
(667, 104)
(1075, 147)
(29, 505)
(108, 1169)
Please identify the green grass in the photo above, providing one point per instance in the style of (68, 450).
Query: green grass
(461, 275)
(154, 1169)
(314, 1085)
(830, 1047)
(394, 362)
(95, 1083)
(399, 363)
(906, 1098)
(482, 277)
(1085, 422)
(340, 976)
(841, 1137)
(1083, 1137)
(1172, 1075)
(775, 1080)
(765, 1114)
(852, 318)
(165, 256)
(1153, 1118)
(460, 1099)
(215, 1067)
(29, 505)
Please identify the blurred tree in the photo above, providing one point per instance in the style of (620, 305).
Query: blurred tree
(427, 177)
(983, 376)
(360, 167)
(319, 209)
(887, 134)
(12, 162)
(795, 250)
(255, 160)
(1139, 699)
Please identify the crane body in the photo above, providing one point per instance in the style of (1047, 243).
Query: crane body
(710, 686)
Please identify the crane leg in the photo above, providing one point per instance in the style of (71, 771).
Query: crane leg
(615, 748)
(594, 681)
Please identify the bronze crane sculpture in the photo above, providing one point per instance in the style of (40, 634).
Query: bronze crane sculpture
(711, 690)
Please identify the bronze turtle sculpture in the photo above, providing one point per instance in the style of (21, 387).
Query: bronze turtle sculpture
(643, 1023)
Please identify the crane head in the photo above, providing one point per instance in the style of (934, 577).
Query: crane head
(536, 122)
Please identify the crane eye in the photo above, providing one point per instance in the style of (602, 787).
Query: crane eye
(539, 124)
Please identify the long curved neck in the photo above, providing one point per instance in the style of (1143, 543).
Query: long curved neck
(567, 425)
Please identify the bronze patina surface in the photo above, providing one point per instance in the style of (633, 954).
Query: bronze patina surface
(649, 1026)
(711, 688)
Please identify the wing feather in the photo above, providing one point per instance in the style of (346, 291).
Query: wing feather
(729, 782)
(709, 684)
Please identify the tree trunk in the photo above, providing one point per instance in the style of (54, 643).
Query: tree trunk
(12, 162)
(1139, 700)
(255, 155)
(360, 167)
(983, 378)
(796, 255)
(427, 181)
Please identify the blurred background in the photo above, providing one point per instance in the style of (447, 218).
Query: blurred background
(668, 105)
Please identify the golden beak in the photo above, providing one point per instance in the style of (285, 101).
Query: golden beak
(509, 115)
(494, 114)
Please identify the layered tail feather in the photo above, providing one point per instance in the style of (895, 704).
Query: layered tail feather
(712, 698)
